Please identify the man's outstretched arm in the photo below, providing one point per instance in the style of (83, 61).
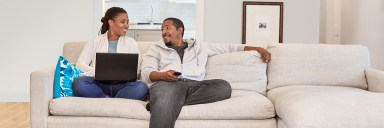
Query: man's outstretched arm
(264, 53)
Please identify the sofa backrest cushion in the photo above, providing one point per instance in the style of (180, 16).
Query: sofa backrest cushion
(144, 46)
(318, 64)
(243, 70)
(72, 50)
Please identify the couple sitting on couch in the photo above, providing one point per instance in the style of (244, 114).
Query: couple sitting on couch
(168, 92)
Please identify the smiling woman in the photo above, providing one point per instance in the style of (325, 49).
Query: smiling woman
(112, 39)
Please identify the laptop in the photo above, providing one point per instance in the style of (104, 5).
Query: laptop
(116, 67)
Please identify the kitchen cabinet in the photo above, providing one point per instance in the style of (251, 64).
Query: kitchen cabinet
(145, 33)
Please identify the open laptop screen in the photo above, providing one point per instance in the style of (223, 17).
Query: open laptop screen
(116, 67)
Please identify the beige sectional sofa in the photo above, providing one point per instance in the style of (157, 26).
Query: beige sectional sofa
(304, 85)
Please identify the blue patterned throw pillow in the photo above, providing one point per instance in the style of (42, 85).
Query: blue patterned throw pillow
(65, 73)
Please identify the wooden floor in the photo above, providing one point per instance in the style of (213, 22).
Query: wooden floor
(14, 115)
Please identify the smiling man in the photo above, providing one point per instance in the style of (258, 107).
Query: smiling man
(176, 69)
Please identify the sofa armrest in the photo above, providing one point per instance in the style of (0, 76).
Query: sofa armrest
(41, 92)
(375, 79)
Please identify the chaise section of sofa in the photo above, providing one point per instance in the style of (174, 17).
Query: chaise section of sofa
(248, 106)
(302, 106)
(325, 86)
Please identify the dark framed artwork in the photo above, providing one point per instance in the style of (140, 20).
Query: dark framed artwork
(262, 22)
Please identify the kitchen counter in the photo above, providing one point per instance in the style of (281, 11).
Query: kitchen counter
(147, 32)
(146, 27)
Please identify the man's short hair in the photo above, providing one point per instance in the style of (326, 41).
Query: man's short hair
(177, 23)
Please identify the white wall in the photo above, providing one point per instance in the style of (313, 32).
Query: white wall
(32, 36)
(362, 23)
(223, 21)
(323, 22)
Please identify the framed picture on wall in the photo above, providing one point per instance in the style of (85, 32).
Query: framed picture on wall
(262, 22)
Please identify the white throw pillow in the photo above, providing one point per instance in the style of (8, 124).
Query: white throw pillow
(243, 70)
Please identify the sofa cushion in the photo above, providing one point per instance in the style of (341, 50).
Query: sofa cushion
(108, 107)
(144, 46)
(318, 64)
(305, 106)
(242, 105)
(243, 70)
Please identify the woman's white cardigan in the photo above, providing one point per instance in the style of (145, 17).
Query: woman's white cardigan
(87, 58)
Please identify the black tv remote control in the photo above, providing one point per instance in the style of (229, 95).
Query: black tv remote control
(176, 73)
